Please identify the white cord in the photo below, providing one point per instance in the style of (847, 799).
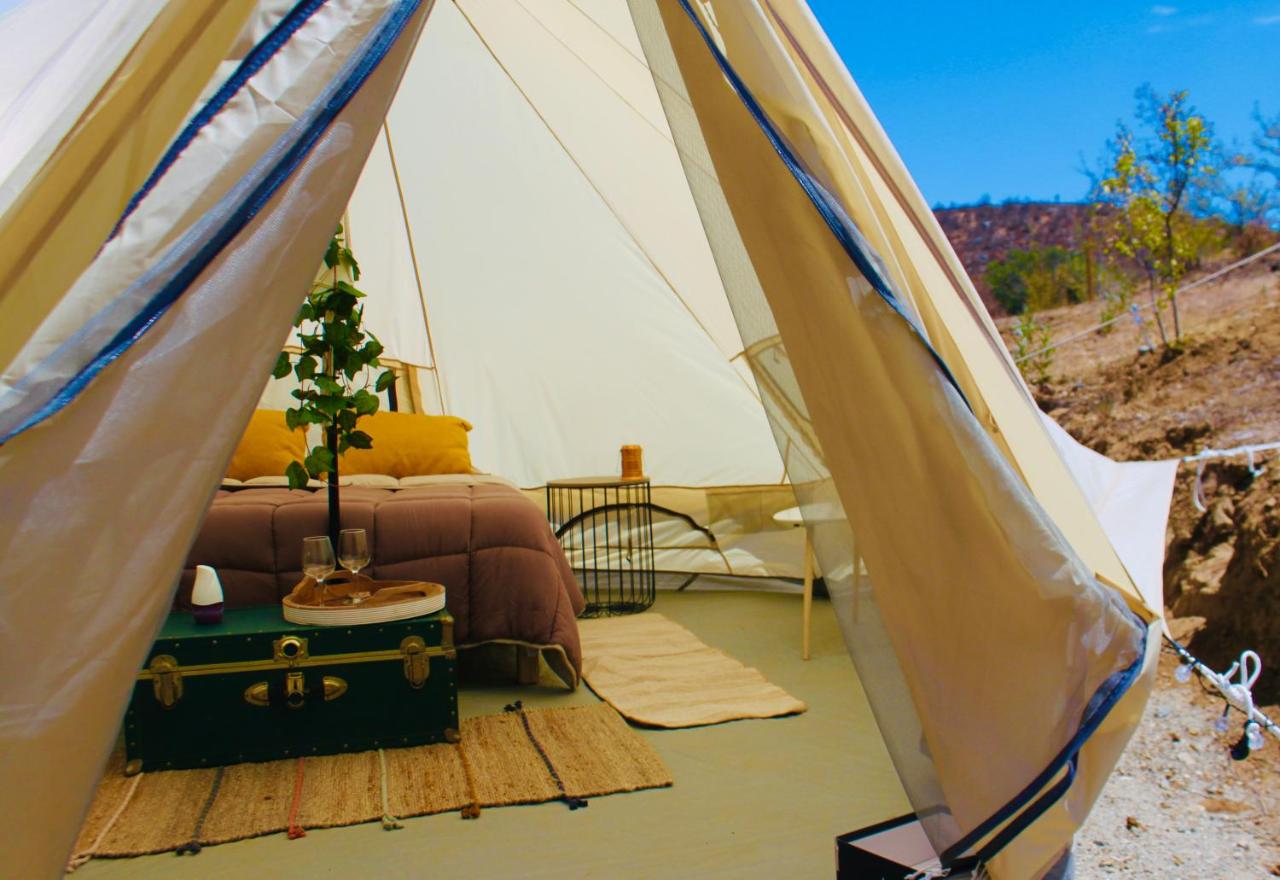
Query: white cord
(1204, 455)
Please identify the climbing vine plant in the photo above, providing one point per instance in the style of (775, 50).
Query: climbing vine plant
(335, 368)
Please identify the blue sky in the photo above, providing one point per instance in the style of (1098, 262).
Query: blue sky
(1003, 98)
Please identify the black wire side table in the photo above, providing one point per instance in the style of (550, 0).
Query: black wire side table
(605, 525)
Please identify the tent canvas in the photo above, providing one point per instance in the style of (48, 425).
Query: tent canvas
(586, 222)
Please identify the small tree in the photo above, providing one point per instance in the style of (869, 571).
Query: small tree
(1152, 182)
(1032, 339)
(333, 371)
(1116, 295)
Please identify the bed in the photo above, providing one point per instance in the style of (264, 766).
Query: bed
(505, 576)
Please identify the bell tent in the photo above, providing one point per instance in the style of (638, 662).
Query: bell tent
(582, 223)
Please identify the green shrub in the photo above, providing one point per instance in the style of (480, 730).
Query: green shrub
(1038, 278)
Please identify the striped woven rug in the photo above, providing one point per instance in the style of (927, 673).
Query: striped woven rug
(518, 757)
(655, 672)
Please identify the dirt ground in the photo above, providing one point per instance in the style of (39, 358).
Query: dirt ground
(1224, 390)
(1178, 806)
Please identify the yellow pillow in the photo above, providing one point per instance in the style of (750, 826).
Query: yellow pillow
(410, 445)
(267, 447)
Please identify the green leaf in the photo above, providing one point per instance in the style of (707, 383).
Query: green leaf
(360, 440)
(333, 253)
(354, 364)
(331, 404)
(295, 418)
(366, 404)
(335, 333)
(282, 367)
(319, 461)
(351, 289)
(327, 385)
(385, 381)
(305, 369)
(297, 475)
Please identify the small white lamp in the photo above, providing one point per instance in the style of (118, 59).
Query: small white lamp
(206, 596)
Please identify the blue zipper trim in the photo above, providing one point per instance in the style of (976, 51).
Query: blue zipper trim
(1103, 701)
(828, 208)
(257, 58)
(387, 33)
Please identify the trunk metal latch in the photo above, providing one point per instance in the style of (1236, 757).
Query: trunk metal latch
(290, 650)
(417, 664)
(166, 680)
(295, 691)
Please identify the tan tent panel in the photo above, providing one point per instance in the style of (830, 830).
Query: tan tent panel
(876, 399)
(112, 488)
(66, 183)
(547, 266)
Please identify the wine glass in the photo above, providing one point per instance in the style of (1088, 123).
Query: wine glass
(353, 552)
(317, 560)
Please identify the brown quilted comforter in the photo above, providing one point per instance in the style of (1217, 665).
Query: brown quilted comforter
(504, 573)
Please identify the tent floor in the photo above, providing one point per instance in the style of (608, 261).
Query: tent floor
(751, 798)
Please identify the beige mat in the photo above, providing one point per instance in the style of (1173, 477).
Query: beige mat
(589, 751)
(658, 673)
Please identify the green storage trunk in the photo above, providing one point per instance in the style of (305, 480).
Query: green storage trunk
(257, 688)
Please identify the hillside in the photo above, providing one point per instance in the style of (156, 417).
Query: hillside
(983, 233)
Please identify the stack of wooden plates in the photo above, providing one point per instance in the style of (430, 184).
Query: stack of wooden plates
(361, 602)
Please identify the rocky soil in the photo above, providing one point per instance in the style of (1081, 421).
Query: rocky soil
(1178, 807)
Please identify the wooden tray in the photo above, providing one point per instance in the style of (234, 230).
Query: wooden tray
(348, 601)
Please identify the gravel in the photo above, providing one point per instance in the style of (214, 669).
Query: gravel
(1178, 807)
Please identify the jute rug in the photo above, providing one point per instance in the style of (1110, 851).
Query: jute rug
(656, 672)
(518, 757)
